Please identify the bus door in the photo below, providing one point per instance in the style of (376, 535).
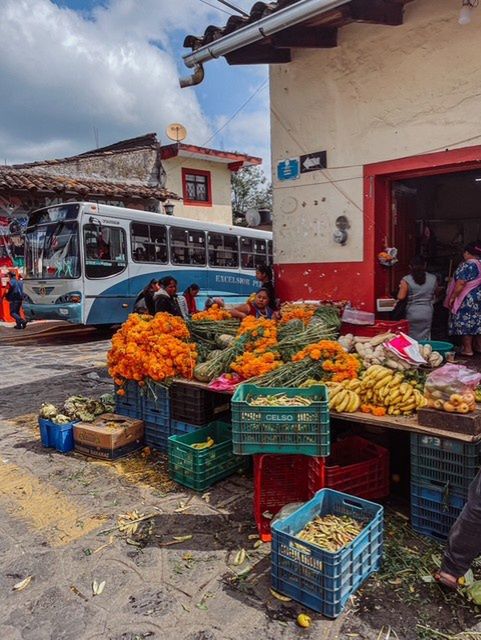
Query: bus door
(107, 297)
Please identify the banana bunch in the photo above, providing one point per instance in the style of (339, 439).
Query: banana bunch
(203, 445)
(383, 387)
(344, 396)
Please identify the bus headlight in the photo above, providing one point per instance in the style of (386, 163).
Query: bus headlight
(74, 296)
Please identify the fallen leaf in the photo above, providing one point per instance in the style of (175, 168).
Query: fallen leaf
(239, 557)
(101, 587)
(258, 544)
(134, 543)
(253, 536)
(206, 497)
(185, 607)
(95, 586)
(23, 584)
(202, 606)
(182, 538)
(427, 579)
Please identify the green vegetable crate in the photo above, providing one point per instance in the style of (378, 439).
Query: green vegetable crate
(201, 468)
(282, 429)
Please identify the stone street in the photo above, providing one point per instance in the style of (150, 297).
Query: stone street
(59, 519)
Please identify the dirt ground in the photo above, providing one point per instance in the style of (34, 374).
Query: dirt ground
(174, 576)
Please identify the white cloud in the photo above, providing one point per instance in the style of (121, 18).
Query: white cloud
(62, 75)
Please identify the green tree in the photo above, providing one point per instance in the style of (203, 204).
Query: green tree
(250, 189)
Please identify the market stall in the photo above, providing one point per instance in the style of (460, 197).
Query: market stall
(303, 405)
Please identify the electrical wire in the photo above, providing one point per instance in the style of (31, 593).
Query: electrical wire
(228, 121)
(231, 6)
(216, 8)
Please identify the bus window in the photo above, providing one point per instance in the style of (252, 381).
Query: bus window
(253, 252)
(149, 242)
(187, 246)
(223, 250)
(270, 252)
(105, 251)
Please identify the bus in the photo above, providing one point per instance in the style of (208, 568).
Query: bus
(86, 263)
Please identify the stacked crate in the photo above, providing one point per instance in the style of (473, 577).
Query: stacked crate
(156, 416)
(292, 461)
(196, 415)
(441, 472)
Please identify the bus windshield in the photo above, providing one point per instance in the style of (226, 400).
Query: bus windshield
(52, 251)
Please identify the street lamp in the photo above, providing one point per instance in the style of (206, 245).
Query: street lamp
(169, 208)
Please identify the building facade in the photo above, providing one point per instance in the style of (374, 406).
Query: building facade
(203, 179)
(384, 96)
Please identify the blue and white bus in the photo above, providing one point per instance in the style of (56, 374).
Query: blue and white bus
(86, 263)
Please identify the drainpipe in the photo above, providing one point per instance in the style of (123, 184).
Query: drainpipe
(263, 28)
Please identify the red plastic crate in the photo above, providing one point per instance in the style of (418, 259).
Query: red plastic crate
(355, 466)
(279, 480)
(371, 330)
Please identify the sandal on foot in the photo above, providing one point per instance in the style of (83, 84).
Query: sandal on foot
(448, 580)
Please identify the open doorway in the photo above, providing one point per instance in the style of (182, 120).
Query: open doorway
(435, 216)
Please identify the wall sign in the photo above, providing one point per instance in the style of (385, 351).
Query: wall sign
(288, 169)
(313, 161)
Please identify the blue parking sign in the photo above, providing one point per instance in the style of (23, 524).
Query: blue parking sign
(288, 169)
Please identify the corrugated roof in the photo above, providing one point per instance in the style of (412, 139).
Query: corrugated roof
(16, 180)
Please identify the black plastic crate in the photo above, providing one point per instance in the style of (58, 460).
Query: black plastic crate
(195, 405)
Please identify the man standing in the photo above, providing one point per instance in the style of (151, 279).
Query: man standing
(15, 297)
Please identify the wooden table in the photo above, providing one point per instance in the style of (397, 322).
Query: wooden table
(399, 423)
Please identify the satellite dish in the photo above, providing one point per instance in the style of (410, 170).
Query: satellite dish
(253, 218)
(176, 131)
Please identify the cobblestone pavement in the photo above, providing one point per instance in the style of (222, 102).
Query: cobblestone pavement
(21, 364)
(159, 583)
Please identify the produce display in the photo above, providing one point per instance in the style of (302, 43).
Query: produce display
(452, 388)
(371, 351)
(379, 391)
(215, 312)
(330, 532)
(278, 400)
(298, 311)
(151, 347)
(78, 408)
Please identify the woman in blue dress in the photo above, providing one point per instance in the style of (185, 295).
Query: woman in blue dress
(464, 301)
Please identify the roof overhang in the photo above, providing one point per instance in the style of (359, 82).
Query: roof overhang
(233, 160)
(272, 30)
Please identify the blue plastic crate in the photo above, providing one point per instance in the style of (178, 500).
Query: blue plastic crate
(319, 579)
(130, 404)
(156, 405)
(444, 462)
(434, 510)
(157, 434)
(57, 436)
(178, 428)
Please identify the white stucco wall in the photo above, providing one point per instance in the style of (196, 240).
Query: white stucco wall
(383, 93)
(221, 209)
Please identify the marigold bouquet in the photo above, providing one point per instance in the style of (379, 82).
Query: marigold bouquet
(215, 312)
(156, 348)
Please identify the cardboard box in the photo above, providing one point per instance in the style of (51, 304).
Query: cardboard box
(109, 437)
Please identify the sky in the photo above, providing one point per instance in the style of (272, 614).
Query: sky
(77, 72)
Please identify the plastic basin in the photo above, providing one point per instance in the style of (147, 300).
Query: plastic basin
(440, 347)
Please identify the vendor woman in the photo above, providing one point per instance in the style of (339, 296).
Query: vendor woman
(259, 307)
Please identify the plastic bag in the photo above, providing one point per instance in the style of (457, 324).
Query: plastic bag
(451, 388)
(225, 382)
(405, 348)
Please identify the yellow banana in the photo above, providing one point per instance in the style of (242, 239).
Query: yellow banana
(342, 406)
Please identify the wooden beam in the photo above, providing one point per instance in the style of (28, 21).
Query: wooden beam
(258, 54)
(376, 12)
(305, 38)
